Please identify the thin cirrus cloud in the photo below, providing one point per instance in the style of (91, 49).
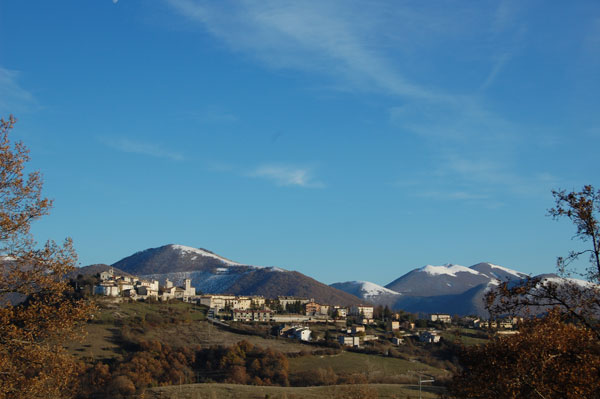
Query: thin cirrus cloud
(286, 175)
(332, 38)
(13, 97)
(374, 49)
(143, 148)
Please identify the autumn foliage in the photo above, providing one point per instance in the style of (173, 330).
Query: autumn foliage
(157, 364)
(548, 359)
(37, 311)
(556, 353)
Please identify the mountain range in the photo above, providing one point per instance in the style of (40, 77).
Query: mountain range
(452, 289)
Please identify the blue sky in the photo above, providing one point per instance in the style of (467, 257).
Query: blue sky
(347, 140)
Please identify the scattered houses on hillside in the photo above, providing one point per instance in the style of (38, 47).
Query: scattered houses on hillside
(135, 288)
(299, 312)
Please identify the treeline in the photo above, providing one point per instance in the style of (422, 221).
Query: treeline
(156, 364)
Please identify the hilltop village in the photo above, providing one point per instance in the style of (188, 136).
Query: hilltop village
(295, 315)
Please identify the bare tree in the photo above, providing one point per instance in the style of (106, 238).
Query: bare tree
(557, 351)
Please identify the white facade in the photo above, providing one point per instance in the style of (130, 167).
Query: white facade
(362, 310)
(303, 334)
(286, 300)
(429, 336)
(444, 318)
(340, 312)
(347, 340)
(106, 289)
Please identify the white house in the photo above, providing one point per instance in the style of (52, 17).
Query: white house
(107, 288)
(107, 275)
(251, 315)
(444, 318)
(348, 340)
(429, 336)
(340, 312)
(302, 333)
(286, 300)
(362, 310)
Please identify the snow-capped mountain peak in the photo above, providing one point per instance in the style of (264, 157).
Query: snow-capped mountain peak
(497, 272)
(507, 270)
(365, 290)
(371, 289)
(447, 269)
(197, 251)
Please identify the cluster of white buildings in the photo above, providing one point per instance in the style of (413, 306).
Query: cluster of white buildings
(136, 288)
(256, 308)
(231, 302)
(301, 333)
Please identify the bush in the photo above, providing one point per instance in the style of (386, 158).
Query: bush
(121, 386)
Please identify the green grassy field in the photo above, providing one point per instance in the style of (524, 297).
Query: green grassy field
(231, 391)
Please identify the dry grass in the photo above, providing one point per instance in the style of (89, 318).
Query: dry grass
(231, 391)
(183, 325)
(465, 336)
(373, 367)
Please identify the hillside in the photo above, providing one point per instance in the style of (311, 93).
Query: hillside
(97, 268)
(271, 283)
(172, 258)
(212, 273)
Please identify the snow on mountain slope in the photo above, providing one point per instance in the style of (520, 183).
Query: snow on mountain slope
(371, 289)
(567, 280)
(448, 269)
(203, 281)
(197, 251)
(438, 280)
(364, 289)
(498, 272)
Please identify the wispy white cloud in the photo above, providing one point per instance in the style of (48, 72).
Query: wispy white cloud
(498, 63)
(492, 176)
(377, 48)
(286, 175)
(13, 97)
(142, 147)
(333, 38)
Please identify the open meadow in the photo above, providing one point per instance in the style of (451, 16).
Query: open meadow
(232, 391)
